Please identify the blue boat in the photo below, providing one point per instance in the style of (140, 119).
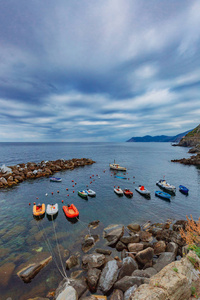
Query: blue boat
(55, 179)
(183, 189)
(121, 177)
(163, 195)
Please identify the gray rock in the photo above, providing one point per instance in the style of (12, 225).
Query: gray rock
(151, 271)
(145, 236)
(79, 285)
(128, 266)
(129, 292)
(134, 238)
(134, 227)
(113, 233)
(92, 278)
(68, 293)
(117, 295)
(93, 260)
(135, 247)
(120, 246)
(172, 247)
(141, 273)
(145, 256)
(103, 251)
(159, 247)
(89, 242)
(72, 262)
(108, 276)
(128, 281)
(163, 260)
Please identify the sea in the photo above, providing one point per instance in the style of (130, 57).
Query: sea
(24, 240)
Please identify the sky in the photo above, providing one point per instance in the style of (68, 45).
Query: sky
(98, 71)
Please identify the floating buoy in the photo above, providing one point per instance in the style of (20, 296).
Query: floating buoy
(37, 198)
(34, 203)
(114, 185)
(72, 185)
(128, 178)
(133, 181)
(118, 186)
(57, 191)
(29, 204)
(52, 193)
(62, 201)
(72, 180)
(66, 189)
(68, 195)
(86, 185)
(97, 175)
(93, 179)
(93, 175)
(75, 182)
(73, 191)
(46, 194)
(133, 176)
(90, 177)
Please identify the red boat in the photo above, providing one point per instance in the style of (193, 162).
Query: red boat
(128, 193)
(71, 211)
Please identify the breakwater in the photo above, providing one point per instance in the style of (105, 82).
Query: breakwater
(12, 175)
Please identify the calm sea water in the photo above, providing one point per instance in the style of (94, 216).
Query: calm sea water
(21, 238)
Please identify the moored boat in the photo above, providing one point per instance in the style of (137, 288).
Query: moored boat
(55, 179)
(118, 191)
(52, 209)
(117, 167)
(143, 191)
(71, 211)
(38, 209)
(128, 193)
(166, 186)
(163, 195)
(91, 193)
(83, 194)
(120, 177)
(183, 189)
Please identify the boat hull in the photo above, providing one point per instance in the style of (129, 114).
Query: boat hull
(39, 210)
(119, 192)
(55, 179)
(71, 211)
(52, 209)
(183, 189)
(144, 192)
(83, 194)
(169, 188)
(91, 193)
(128, 193)
(163, 195)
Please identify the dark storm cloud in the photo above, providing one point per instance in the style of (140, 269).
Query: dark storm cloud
(104, 70)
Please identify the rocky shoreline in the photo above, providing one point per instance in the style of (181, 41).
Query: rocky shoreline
(13, 175)
(136, 263)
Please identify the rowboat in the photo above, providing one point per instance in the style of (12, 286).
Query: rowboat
(117, 167)
(166, 186)
(71, 211)
(183, 189)
(91, 193)
(143, 191)
(38, 210)
(83, 194)
(121, 177)
(163, 195)
(128, 193)
(118, 191)
(52, 209)
(55, 179)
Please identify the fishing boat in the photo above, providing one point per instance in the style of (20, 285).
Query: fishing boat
(166, 186)
(52, 209)
(38, 209)
(55, 179)
(163, 195)
(128, 193)
(83, 194)
(183, 189)
(118, 191)
(91, 193)
(143, 191)
(71, 211)
(117, 167)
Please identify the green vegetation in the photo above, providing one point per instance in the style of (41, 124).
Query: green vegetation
(193, 291)
(196, 249)
(175, 270)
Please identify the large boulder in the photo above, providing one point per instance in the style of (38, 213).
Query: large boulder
(135, 247)
(134, 238)
(128, 281)
(89, 242)
(117, 295)
(159, 247)
(141, 273)
(128, 266)
(92, 278)
(129, 292)
(79, 285)
(145, 256)
(120, 246)
(68, 293)
(145, 236)
(146, 292)
(108, 276)
(72, 262)
(94, 260)
(172, 247)
(113, 233)
(134, 227)
(164, 259)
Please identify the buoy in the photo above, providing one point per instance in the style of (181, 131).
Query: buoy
(57, 191)
(52, 193)
(90, 177)
(75, 182)
(46, 194)
(72, 185)
(66, 189)
(37, 198)
(93, 179)
(34, 203)
(73, 191)
(72, 180)
(133, 181)
(114, 185)
(68, 195)
(128, 178)
(29, 204)
(62, 201)
(118, 186)
(86, 185)
(93, 175)
(133, 176)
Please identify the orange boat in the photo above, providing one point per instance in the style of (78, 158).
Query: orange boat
(128, 193)
(71, 211)
(38, 210)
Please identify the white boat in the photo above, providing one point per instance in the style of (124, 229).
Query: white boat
(52, 209)
(166, 186)
(55, 179)
(91, 193)
(118, 191)
(117, 167)
(143, 191)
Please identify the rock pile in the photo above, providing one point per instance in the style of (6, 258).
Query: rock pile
(12, 175)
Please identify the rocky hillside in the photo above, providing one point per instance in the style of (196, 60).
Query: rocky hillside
(191, 139)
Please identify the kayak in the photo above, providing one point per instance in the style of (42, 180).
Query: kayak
(143, 191)
(91, 193)
(128, 193)
(83, 194)
(183, 189)
(71, 211)
(118, 191)
(39, 209)
(163, 195)
(55, 179)
(52, 209)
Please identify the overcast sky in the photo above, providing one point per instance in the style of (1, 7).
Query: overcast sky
(98, 70)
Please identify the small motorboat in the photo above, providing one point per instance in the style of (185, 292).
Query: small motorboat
(83, 194)
(38, 209)
(183, 189)
(117, 167)
(91, 193)
(128, 193)
(163, 195)
(55, 179)
(143, 191)
(71, 211)
(166, 186)
(118, 191)
(120, 177)
(52, 209)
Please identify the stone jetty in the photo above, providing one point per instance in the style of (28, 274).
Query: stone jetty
(12, 175)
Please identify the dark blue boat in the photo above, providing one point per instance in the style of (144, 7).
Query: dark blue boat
(183, 189)
(55, 179)
(163, 195)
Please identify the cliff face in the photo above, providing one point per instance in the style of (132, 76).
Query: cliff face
(191, 139)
